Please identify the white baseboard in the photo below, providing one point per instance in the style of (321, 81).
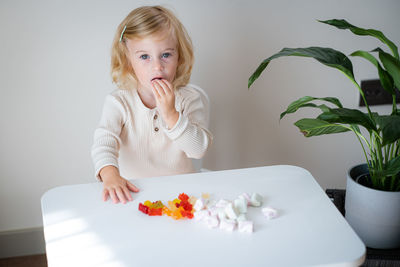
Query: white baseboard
(22, 242)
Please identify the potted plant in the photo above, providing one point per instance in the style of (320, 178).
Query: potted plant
(373, 189)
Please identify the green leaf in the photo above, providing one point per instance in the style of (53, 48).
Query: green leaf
(392, 66)
(385, 79)
(304, 102)
(343, 24)
(366, 55)
(393, 166)
(329, 117)
(390, 126)
(390, 169)
(315, 127)
(348, 116)
(326, 56)
(355, 129)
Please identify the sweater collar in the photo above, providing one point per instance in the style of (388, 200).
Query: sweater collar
(141, 104)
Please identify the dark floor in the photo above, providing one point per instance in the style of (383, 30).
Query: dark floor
(25, 261)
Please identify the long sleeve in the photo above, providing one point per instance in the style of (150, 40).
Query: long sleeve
(133, 138)
(190, 133)
(107, 140)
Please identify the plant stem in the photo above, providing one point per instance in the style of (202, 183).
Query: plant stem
(394, 109)
(391, 153)
(365, 153)
(387, 153)
(365, 101)
(362, 95)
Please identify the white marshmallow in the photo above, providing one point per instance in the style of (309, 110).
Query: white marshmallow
(201, 214)
(211, 221)
(269, 212)
(240, 205)
(221, 214)
(213, 210)
(211, 203)
(241, 217)
(231, 211)
(246, 197)
(200, 204)
(227, 225)
(222, 203)
(245, 226)
(256, 200)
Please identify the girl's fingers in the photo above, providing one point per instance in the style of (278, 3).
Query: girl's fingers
(158, 88)
(163, 87)
(113, 196)
(156, 92)
(127, 193)
(105, 194)
(132, 187)
(120, 195)
(168, 85)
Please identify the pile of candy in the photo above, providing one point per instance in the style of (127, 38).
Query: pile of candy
(179, 208)
(225, 214)
(152, 208)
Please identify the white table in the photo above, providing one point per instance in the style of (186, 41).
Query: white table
(82, 230)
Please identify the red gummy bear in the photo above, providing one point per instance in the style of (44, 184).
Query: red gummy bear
(155, 212)
(183, 197)
(143, 208)
(186, 206)
(187, 214)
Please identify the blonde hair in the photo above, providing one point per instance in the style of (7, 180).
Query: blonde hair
(142, 22)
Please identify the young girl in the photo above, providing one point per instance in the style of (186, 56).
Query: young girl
(154, 122)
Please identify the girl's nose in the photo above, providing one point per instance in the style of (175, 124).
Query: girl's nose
(157, 64)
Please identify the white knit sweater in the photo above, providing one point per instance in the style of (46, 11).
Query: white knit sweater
(135, 139)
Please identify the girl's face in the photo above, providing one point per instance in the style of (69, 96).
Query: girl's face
(153, 57)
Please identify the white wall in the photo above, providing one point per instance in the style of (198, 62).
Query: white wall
(54, 74)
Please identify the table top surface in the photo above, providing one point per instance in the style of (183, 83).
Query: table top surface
(82, 230)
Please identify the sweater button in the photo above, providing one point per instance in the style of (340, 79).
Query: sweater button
(156, 129)
(155, 116)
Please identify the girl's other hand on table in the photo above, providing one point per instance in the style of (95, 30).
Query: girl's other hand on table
(115, 186)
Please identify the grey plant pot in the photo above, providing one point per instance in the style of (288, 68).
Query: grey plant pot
(373, 214)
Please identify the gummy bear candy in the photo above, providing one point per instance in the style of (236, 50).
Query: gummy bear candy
(185, 213)
(172, 206)
(179, 208)
(167, 211)
(192, 200)
(205, 195)
(183, 197)
(176, 214)
(147, 203)
(143, 208)
(157, 205)
(186, 206)
(155, 212)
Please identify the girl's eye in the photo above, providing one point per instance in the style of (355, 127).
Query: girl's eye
(166, 55)
(144, 56)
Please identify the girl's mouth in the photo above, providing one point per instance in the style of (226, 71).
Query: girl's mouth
(156, 78)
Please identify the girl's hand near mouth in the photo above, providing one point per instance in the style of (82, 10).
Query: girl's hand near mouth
(165, 100)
